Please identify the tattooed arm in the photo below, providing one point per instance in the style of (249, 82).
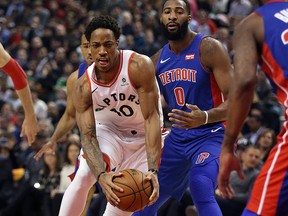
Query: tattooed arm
(85, 118)
(90, 145)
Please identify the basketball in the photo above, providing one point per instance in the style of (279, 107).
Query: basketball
(136, 192)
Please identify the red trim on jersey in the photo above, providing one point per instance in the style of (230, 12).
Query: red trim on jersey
(132, 83)
(268, 185)
(217, 95)
(89, 82)
(116, 75)
(15, 71)
(274, 71)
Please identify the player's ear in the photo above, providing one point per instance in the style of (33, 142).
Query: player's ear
(189, 18)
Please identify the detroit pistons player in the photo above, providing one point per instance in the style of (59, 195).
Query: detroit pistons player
(261, 38)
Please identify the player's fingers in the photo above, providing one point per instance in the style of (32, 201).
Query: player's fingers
(192, 107)
(116, 187)
(39, 154)
(29, 138)
(114, 198)
(22, 132)
(177, 121)
(230, 192)
(178, 114)
(222, 187)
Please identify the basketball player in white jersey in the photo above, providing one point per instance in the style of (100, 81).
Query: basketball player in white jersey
(125, 116)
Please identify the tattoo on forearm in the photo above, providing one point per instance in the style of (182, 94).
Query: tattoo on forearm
(152, 160)
(92, 151)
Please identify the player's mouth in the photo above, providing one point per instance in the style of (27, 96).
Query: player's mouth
(172, 26)
(103, 62)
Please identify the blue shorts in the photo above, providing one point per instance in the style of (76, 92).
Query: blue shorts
(195, 149)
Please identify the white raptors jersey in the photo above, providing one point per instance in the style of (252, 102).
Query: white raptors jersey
(116, 104)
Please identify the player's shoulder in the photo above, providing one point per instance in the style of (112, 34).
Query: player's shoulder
(209, 44)
(139, 60)
(73, 76)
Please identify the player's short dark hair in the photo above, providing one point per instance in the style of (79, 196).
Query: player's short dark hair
(187, 6)
(103, 21)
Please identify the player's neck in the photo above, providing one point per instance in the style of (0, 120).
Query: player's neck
(178, 46)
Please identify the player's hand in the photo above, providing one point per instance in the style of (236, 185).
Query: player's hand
(228, 163)
(187, 120)
(106, 183)
(50, 146)
(29, 129)
(152, 176)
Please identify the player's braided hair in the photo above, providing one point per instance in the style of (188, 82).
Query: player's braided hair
(103, 21)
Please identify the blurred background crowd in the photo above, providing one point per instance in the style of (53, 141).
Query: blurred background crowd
(44, 37)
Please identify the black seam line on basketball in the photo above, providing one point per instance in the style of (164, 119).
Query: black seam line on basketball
(137, 186)
(134, 194)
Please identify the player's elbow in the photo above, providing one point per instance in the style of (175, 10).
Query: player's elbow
(244, 83)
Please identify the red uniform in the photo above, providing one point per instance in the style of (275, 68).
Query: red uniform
(270, 192)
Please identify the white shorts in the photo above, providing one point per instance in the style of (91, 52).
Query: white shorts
(121, 154)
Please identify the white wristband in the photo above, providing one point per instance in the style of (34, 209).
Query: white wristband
(206, 117)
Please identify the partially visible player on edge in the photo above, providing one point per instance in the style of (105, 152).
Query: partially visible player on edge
(262, 38)
(193, 73)
(68, 120)
(18, 76)
(118, 98)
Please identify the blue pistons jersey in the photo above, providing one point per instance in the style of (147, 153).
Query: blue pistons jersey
(182, 79)
(190, 158)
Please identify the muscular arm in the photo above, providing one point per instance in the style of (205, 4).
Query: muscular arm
(215, 59)
(143, 76)
(90, 145)
(247, 37)
(67, 121)
(82, 101)
(29, 126)
(244, 81)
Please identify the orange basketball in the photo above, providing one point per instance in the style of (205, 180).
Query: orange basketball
(136, 192)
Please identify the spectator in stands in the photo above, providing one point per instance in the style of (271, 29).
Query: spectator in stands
(265, 142)
(150, 46)
(206, 25)
(6, 178)
(26, 200)
(254, 123)
(238, 9)
(49, 183)
(40, 106)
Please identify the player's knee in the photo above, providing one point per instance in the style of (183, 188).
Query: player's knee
(202, 189)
